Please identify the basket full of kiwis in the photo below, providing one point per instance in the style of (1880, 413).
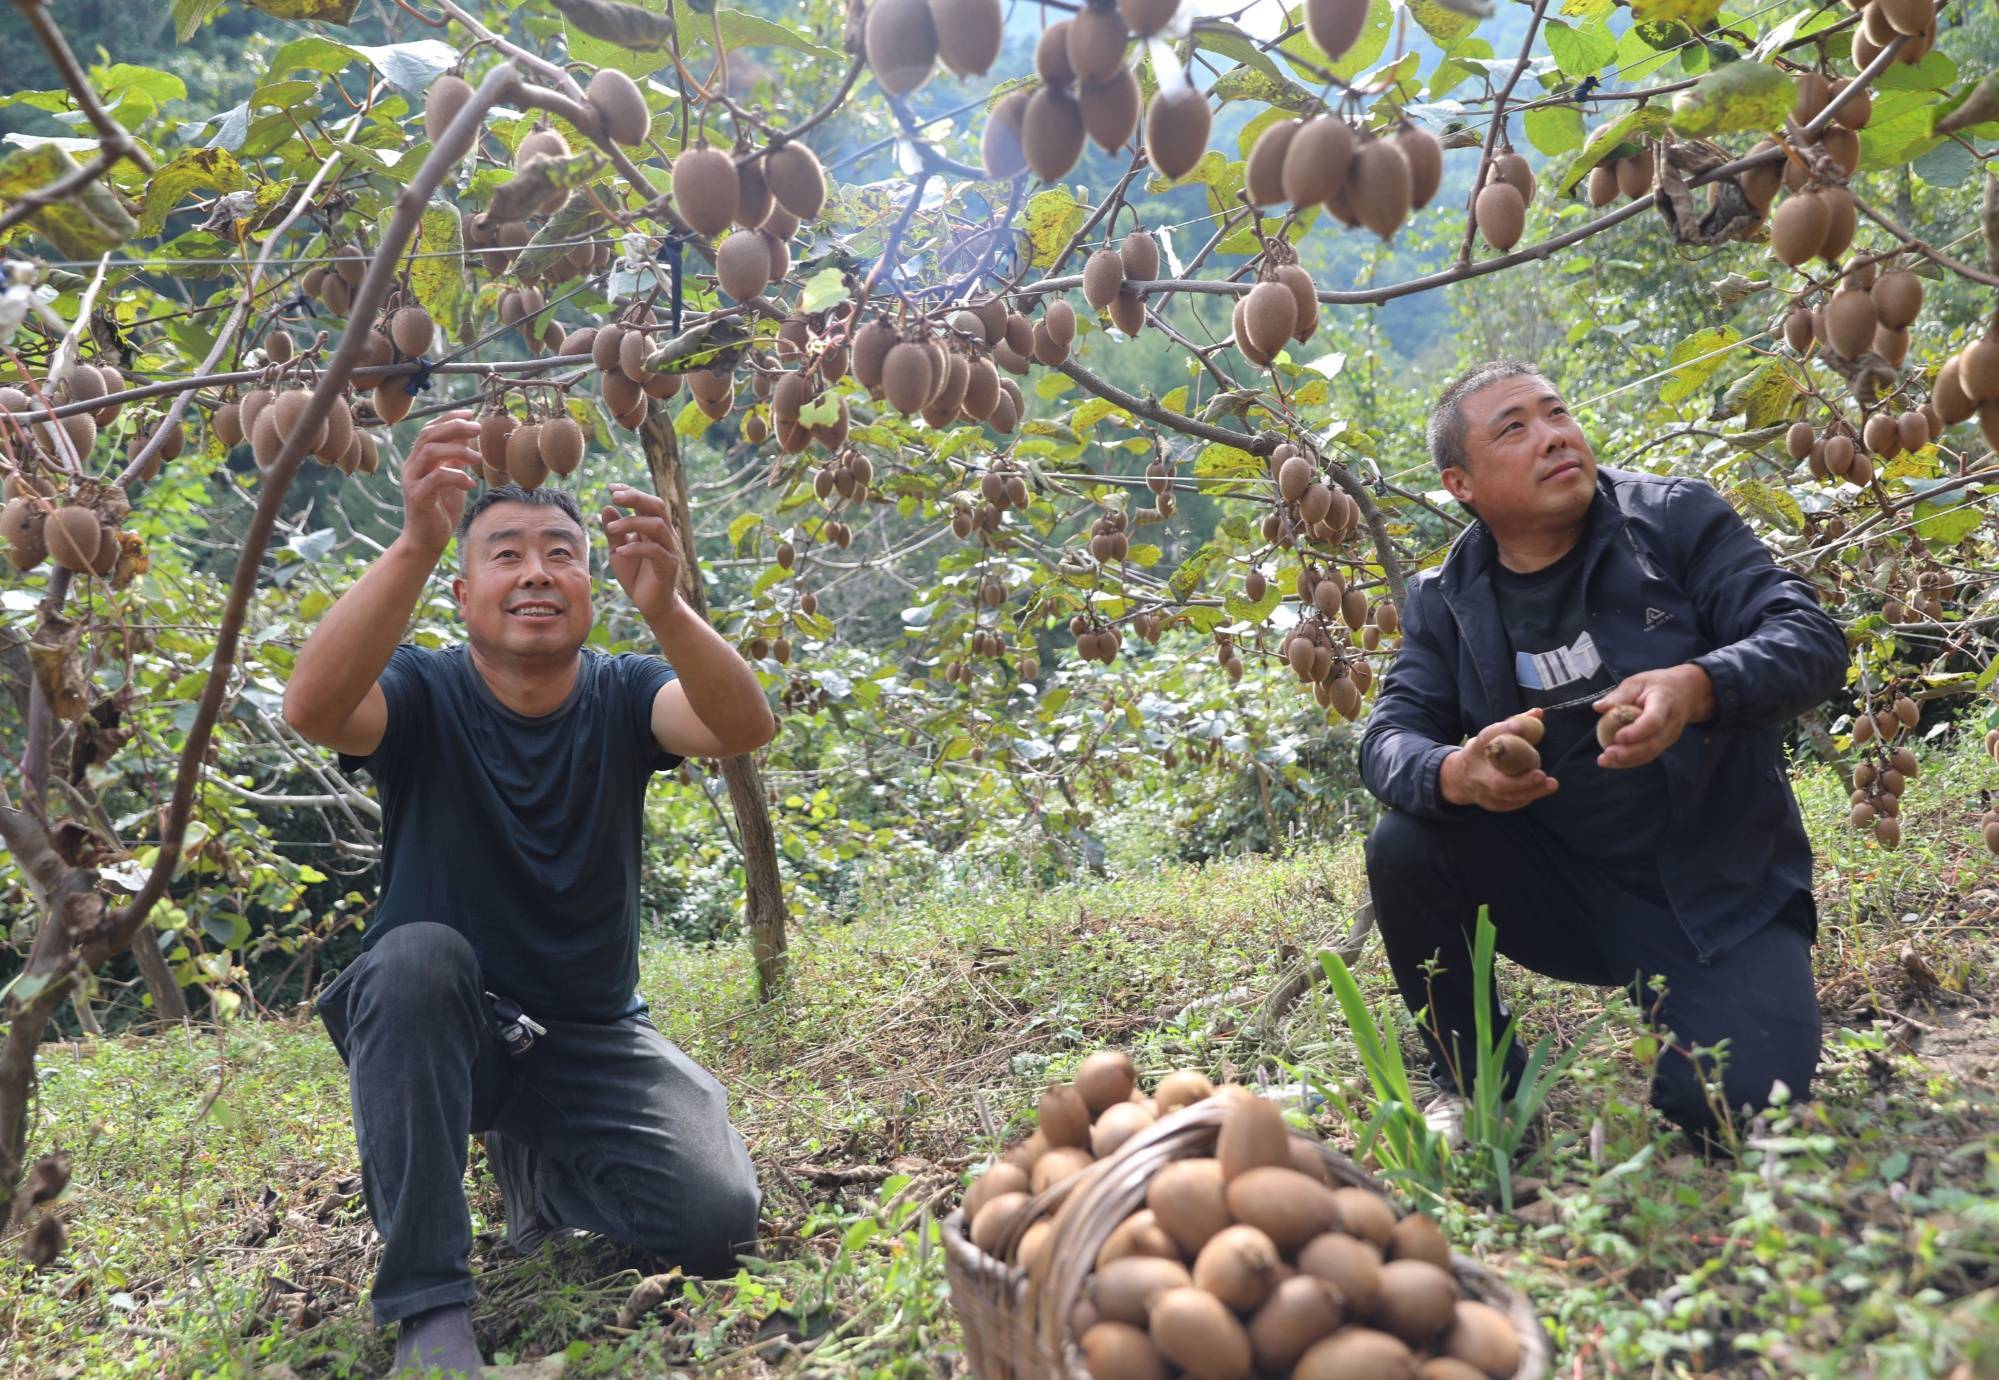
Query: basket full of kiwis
(1193, 1233)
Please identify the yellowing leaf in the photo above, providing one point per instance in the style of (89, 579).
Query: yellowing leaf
(1695, 360)
(1053, 218)
(215, 169)
(1684, 11)
(1733, 98)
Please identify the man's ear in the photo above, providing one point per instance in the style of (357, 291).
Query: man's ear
(1457, 480)
(458, 589)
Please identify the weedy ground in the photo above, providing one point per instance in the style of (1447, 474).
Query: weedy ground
(216, 1226)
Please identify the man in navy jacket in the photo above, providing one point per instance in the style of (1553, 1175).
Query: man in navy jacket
(1674, 859)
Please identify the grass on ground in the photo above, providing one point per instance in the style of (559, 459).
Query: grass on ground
(216, 1227)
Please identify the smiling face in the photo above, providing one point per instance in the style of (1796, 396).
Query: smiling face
(525, 592)
(1528, 472)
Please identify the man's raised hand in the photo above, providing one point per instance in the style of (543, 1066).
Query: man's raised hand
(645, 554)
(1653, 710)
(437, 475)
(1471, 777)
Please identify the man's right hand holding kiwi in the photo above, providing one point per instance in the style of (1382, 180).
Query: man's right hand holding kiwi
(1582, 735)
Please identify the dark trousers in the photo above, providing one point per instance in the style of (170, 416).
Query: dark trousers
(623, 1134)
(1564, 915)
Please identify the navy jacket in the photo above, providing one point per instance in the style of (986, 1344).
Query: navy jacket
(1670, 575)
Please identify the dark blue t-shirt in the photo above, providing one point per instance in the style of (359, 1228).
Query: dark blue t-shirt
(522, 833)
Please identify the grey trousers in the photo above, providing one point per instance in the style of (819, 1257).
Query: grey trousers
(606, 1127)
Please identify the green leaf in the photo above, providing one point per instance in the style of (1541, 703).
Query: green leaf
(1554, 129)
(1691, 12)
(1440, 22)
(1581, 52)
(1949, 164)
(311, 54)
(1764, 396)
(84, 225)
(573, 222)
(1948, 521)
(1695, 360)
(1775, 506)
(1218, 461)
(214, 169)
(1242, 610)
(1366, 48)
(1231, 42)
(1193, 570)
(1053, 218)
(740, 30)
(822, 290)
(1587, 10)
(1732, 99)
(410, 67)
(626, 47)
(1645, 48)
(189, 15)
(439, 283)
(1252, 84)
(324, 11)
(1635, 124)
(744, 524)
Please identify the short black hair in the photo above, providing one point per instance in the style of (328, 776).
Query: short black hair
(514, 493)
(1447, 419)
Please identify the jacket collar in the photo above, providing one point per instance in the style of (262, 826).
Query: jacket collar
(1473, 554)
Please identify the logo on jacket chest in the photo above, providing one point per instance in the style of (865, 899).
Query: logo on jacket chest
(1655, 618)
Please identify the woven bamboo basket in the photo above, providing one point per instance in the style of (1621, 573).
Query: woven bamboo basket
(1017, 1329)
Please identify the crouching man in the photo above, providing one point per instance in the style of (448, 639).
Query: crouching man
(1675, 855)
(496, 989)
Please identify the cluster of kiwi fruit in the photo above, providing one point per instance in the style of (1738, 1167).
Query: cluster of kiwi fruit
(1096, 639)
(847, 475)
(1968, 384)
(1885, 772)
(333, 285)
(773, 190)
(1227, 656)
(1108, 541)
(1988, 821)
(1001, 487)
(1107, 272)
(1822, 226)
(905, 39)
(1282, 307)
(78, 533)
(1084, 92)
(1246, 1263)
(1628, 175)
(1500, 208)
(526, 452)
(1159, 480)
(990, 645)
(1865, 314)
(77, 431)
(1926, 600)
(1307, 507)
(1360, 177)
(950, 376)
(1883, 21)
(620, 348)
(1318, 650)
(267, 415)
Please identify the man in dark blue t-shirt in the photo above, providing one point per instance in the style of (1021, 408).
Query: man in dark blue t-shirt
(496, 990)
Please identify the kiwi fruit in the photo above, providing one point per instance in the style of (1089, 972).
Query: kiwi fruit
(524, 463)
(1253, 1135)
(1051, 133)
(1357, 1351)
(901, 44)
(1289, 1207)
(1062, 1163)
(705, 189)
(1317, 160)
(1366, 1215)
(1601, 189)
(441, 104)
(1240, 1266)
(1138, 1235)
(412, 331)
(1182, 1088)
(1051, 56)
(742, 265)
(539, 143)
(1263, 171)
(1140, 253)
(907, 383)
(1510, 167)
(1187, 1198)
(24, 524)
(1483, 1338)
(796, 180)
(289, 410)
(1176, 130)
(620, 105)
(969, 34)
(1424, 153)
(996, 1225)
(1270, 314)
(1239, 328)
(1335, 25)
(392, 400)
(226, 422)
(72, 537)
(338, 436)
(1300, 1311)
(1119, 1351)
(1416, 1300)
(1095, 42)
(1127, 312)
(1103, 275)
(562, 444)
(1063, 1117)
(1512, 754)
(1842, 220)
(1378, 186)
(1502, 215)
(1898, 299)
(1197, 1332)
(1418, 1237)
(1125, 1289)
(1000, 144)
(1850, 321)
(1110, 109)
(1117, 1125)
(1107, 1077)
(1978, 369)
(1147, 17)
